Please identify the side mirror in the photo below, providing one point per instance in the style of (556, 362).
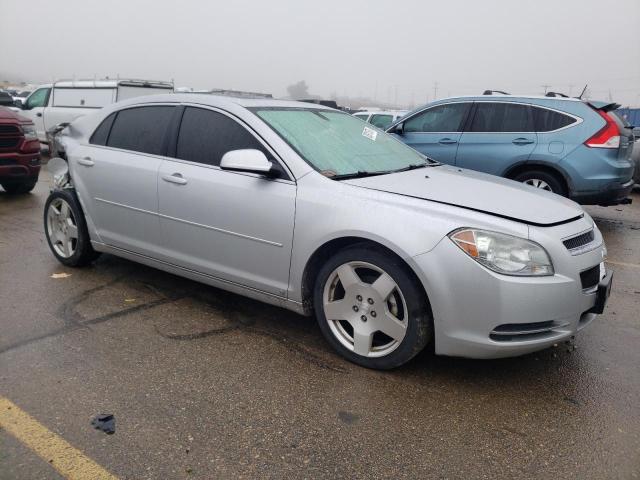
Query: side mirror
(397, 129)
(249, 160)
(18, 103)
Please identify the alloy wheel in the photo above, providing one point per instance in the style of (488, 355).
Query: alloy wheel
(62, 228)
(365, 309)
(537, 183)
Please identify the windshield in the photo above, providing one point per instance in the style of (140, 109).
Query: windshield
(337, 144)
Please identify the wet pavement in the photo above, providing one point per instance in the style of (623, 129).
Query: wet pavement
(206, 384)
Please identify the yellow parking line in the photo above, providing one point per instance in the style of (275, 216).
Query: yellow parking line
(623, 264)
(67, 460)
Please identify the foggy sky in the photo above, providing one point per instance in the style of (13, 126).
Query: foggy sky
(345, 47)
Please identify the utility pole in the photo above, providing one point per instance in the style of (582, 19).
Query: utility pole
(546, 87)
(395, 101)
(435, 90)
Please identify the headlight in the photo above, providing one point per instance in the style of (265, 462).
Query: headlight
(503, 253)
(29, 132)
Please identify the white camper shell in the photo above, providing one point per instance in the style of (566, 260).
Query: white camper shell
(65, 100)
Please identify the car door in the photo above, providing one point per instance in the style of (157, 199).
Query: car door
(500, 135)
(34, 108)
(236, 226)
(435, 132)
(117, 176)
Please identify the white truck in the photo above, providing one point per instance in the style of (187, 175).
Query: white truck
(65, 100)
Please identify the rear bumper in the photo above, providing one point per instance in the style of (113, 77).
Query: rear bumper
(598, 176)
(611, 194)
(19, 166)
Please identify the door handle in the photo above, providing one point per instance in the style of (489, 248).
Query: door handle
(39, 114)
(175, 178)
(86, 161)
(447, 141)
(522, 141)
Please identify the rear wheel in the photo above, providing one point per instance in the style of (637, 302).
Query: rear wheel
(66, 229)
(371, 309)
(542, 180)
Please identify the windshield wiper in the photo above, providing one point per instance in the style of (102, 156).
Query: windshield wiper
(358, 174)
(413, 166)
(364, 173)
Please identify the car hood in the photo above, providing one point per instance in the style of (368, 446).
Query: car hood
(477, 191)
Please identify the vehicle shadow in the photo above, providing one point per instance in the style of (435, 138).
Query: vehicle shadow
(302, 336)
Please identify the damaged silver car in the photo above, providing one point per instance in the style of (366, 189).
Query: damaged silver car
(307, 208)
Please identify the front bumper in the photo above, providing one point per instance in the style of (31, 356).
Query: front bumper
(18, 166)
(476, 311)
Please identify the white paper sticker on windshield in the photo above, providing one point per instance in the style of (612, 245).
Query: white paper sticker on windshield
(370, 133)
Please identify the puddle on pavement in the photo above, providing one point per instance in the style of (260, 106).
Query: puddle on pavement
(114, 298)
(189, 318)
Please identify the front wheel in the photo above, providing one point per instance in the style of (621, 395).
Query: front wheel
(371, 308)
(66, 229)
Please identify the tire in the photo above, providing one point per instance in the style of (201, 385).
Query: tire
(347, 313)
(66, 230)
(542, 179)
(16, 188)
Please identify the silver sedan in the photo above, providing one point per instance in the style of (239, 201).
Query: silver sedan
(313, 210)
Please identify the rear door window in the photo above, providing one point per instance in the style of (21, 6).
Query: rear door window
(141, 129)
(101, 134)
(205, 136)
(548, 120)
(441, 118)
(502, 118)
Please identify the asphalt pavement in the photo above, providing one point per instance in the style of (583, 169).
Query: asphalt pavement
(205, 384)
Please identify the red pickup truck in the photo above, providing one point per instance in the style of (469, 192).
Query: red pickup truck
(19, 153)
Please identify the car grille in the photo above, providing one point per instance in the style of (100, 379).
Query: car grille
(514, 332)
(580, 240)
(590, 278)
(9, 130)
(9, 142)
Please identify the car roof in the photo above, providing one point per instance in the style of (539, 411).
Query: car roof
(107, 83)
(511, 98)
(222, 100)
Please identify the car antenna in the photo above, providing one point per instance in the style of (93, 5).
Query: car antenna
(583, 90)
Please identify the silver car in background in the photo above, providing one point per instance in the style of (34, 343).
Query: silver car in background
(308, 208)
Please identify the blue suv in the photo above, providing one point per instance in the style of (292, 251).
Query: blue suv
(565, 145)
